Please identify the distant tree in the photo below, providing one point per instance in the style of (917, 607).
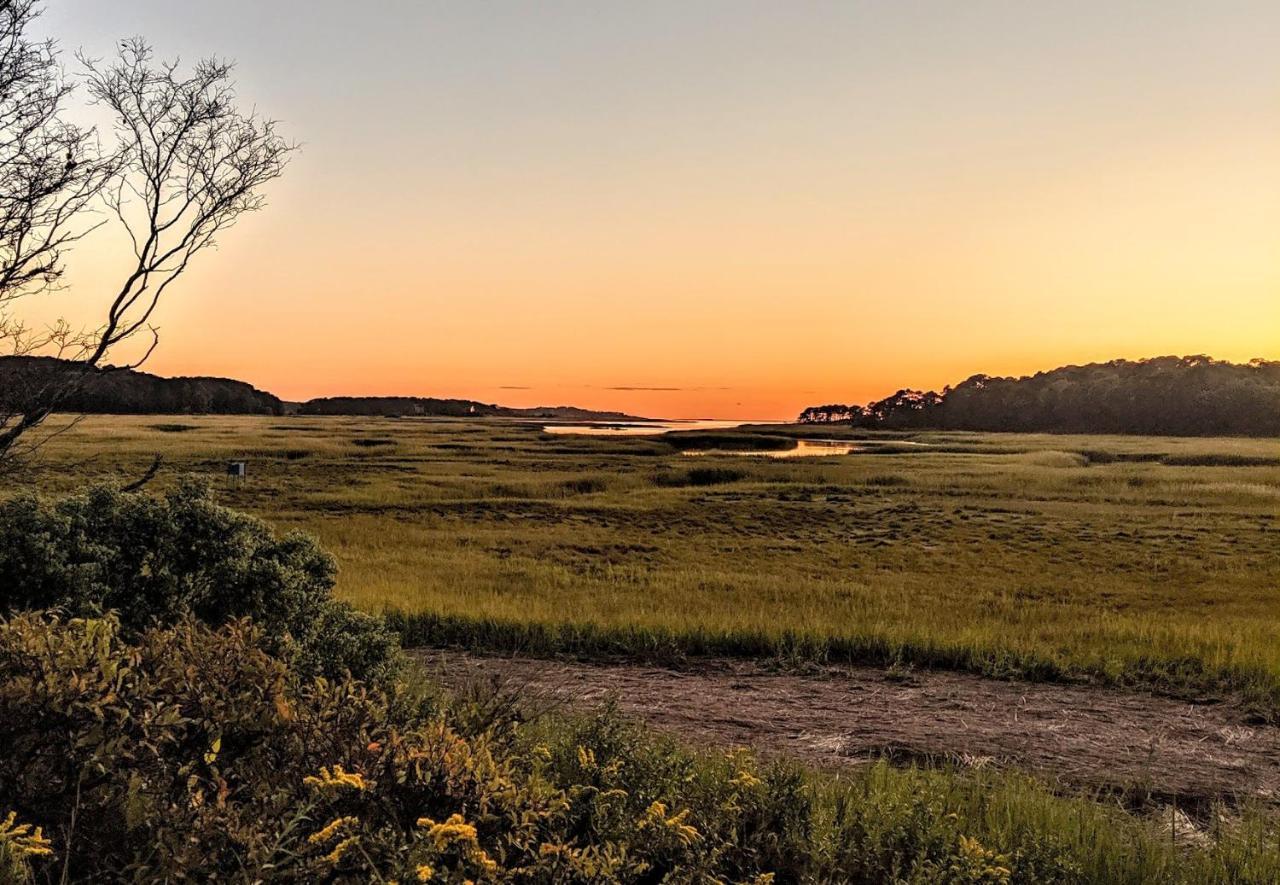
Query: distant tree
(183, 163)
(830, 414)
(1168, 395)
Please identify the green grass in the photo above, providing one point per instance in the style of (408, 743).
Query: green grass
(1145, 561)
(879, 823)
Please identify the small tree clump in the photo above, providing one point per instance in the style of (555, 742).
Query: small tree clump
(156, 560)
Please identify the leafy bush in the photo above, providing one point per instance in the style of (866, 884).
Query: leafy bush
(194, 754)
(156, 560)
(219, 764)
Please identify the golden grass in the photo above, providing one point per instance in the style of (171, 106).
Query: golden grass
(1053, 556)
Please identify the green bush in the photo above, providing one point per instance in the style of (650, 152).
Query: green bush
(156, 560)
(196, 755)
(190, 753)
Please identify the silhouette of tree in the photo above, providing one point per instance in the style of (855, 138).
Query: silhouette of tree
(1168, 395)
(182, 165)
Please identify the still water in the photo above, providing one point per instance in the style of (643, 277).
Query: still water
(804, 448)
(643, 428)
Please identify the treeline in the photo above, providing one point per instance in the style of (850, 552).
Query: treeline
(127, 392)
(1169, 395)
(27, 380)
(396, 406)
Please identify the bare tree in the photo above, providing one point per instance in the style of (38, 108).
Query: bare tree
(183, 165)
(192, 165)
(50, 174)
(50, 171)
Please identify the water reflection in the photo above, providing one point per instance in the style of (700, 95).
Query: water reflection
(805, 448)
(640, 428)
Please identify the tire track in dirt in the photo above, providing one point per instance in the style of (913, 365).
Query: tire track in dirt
(1078, 737)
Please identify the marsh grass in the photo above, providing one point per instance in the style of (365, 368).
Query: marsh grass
(883, 823)
(1151, 562)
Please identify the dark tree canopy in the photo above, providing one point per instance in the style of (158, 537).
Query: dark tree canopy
(113, 391)
(1169, 395)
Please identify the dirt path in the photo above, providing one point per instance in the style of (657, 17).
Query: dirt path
(1077, 736)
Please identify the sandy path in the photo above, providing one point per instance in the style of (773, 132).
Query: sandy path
(1078, 736)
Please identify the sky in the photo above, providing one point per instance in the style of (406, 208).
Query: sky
(722, 208)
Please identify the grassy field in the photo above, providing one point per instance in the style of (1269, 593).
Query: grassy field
(1147, 561)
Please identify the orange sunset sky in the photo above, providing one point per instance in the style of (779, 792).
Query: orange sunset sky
(724, 209)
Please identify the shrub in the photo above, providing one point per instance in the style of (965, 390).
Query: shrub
(221, 765)
(194, 754)
(699, 476)
(156, 560)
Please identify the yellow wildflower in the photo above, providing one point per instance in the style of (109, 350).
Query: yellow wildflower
(337, 779)
(340, 849)
(455, 829)
(22, 840)
(425, 873)
(656, 815)
(331, 829)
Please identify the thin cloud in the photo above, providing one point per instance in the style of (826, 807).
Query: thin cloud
(665, 389)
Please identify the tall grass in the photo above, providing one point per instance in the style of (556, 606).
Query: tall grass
(881, 823)
(1142, 561)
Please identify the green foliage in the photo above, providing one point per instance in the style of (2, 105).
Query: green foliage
(156, 560)
(933, 549)
(191, 753)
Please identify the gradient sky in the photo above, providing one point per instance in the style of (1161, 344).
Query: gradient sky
(729, 209)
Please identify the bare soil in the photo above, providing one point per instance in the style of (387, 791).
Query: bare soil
(1134, 744)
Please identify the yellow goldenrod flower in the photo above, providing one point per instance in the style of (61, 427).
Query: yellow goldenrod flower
(340, 849)
(455, 829)
(22, 840)
(337, 779)
(656, 815)
(425, 873)
(331, 829)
